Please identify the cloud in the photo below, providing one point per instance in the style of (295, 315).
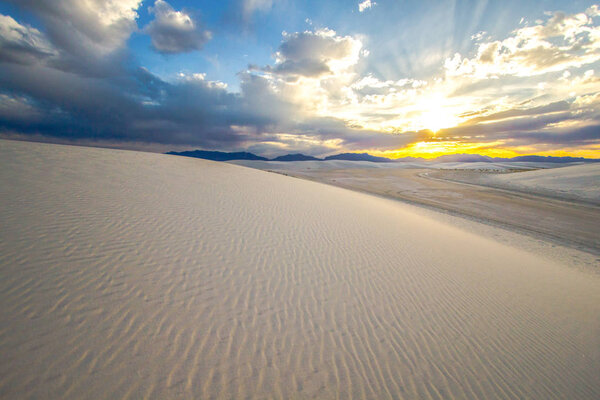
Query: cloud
(249, 7)
(520, 112)
(365, 5)
(139, 107)
(22, 44)
(18, 108)
(563, 41)
(562, 123)
(192, 111)
(73, 24)
(313, 54)
(175, 31)
(240, 13)
(76, 81)
(89, 36)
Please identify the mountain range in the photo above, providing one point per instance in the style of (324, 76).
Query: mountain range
(218, 155)
(225, 156)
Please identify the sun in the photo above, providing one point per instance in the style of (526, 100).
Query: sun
(438, 119)
(437, 115)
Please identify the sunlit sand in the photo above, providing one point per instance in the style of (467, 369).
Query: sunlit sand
(132, 275)
(559, 204)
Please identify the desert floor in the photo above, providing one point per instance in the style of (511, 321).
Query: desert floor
(564, 215)
(136, 275)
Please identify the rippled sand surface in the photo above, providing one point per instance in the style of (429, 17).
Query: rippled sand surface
(547, 214)
(137, 275)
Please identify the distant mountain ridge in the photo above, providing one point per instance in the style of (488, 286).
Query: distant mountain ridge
(358, 157)
(218, 155)
(296, 157)
(225, 156)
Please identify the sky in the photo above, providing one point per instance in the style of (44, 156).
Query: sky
(394, 78)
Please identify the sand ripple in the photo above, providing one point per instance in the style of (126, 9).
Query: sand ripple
(133, 275)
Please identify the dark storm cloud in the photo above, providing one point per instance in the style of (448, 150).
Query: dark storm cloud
(136, 107)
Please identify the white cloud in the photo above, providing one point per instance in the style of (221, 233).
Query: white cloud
(593, 11)
(104, 25)
(317, 72)
(89, 36)
(312, 73)
(175, 31)
(22, 44)
(314, 54)
(201, 78)
(365, 5)
(478, 36)
(561, 42)
(251, 6)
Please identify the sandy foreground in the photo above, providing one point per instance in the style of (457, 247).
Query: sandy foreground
(137, 275)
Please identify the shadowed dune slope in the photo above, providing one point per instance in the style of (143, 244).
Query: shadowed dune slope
(132, 275)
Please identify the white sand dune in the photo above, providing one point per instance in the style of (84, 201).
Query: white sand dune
(343, 164)
(132, 275)
(321, 165)
(572, 182)
(579, 181)
(498, 166)
(548, 217)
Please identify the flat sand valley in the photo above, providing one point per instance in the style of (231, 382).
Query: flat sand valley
(137, 275)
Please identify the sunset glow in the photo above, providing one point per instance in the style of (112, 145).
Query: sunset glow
(397, 78)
